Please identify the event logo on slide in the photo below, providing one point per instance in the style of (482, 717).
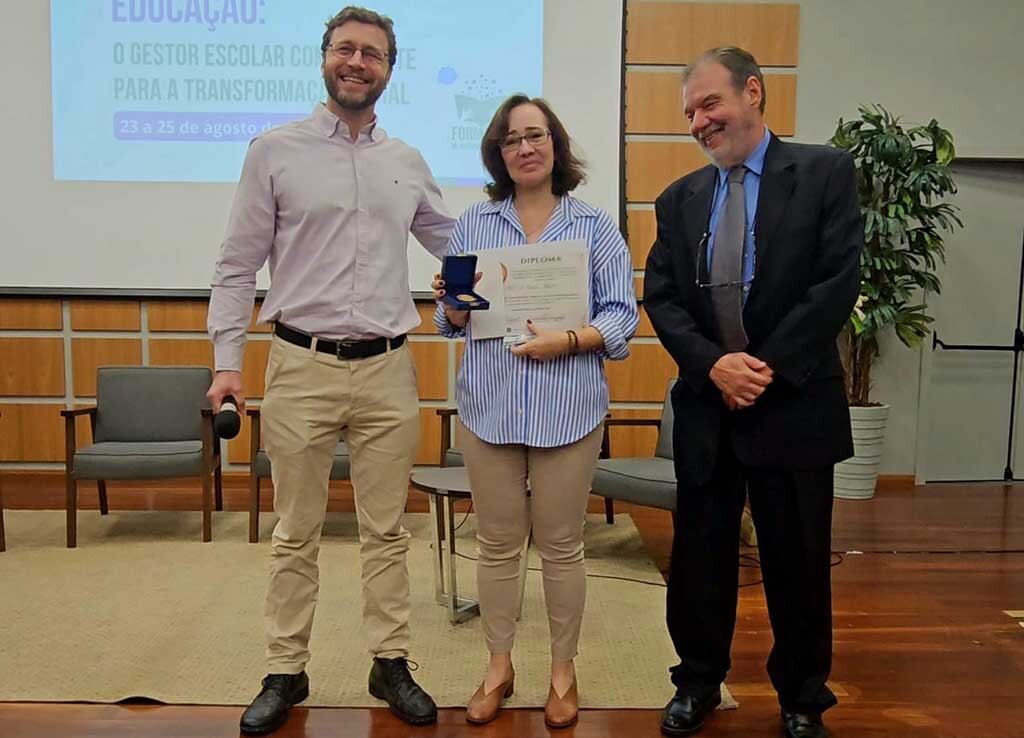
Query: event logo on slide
(475, 107)
(174, 90)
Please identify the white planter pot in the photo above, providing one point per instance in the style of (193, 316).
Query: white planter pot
(855, 478)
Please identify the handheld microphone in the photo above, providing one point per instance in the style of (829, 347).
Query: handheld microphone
(227, 422)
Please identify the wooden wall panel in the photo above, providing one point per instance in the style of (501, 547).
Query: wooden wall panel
(83, 428)
(106, 315)
(676, 33)
(88, 354)
(633, 441)
(177, 315)
(254, 367)
(644, 328)
(430, 436)
(32, 367)
(31, 433)
(638, 287)
(18, 313)
(237, 448)
(431, 359)
(654, 103)
(426, 326)
(651, 166)
(255, 327)
(642, 377)
(641, 229)
(180, 352)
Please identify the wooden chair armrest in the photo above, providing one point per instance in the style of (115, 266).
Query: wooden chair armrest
(446, 414)
(71, 432)
(606, 446)
(78, 411)
(255, 435)
(656, 422)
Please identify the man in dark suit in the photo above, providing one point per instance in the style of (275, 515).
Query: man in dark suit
(753, 274)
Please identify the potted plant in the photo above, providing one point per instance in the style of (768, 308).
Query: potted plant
(902, 178)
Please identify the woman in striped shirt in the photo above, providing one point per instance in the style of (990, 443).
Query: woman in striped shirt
(535, 411)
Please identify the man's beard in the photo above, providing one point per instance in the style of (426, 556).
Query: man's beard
(352, 102)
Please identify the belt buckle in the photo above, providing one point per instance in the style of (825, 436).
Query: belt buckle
(340, 345)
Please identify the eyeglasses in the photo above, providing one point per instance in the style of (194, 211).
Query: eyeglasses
(533, 136)
(370, 55)
(702, 269)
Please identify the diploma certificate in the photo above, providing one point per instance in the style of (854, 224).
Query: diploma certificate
(547, 283)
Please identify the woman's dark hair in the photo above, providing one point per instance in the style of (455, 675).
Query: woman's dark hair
(568, 170)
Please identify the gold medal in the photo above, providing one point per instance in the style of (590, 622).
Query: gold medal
(466, 297)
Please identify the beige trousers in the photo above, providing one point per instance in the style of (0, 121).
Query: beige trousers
(559, 483)
(311, 399)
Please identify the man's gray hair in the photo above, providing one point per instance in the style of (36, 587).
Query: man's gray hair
(741, 65)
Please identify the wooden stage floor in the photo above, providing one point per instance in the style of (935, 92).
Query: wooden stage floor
(923, 647)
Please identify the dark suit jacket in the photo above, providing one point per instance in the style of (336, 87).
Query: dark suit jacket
(808, 236)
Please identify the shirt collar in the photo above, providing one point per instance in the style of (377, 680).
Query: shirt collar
(327, 123)
(569, 208)
(754, 162)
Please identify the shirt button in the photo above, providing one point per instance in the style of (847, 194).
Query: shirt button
(520, 411)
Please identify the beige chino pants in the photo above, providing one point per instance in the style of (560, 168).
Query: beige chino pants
(559, 483)
(311, 400)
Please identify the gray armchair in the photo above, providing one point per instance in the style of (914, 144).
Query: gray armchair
(259, 468)
(648, 480)
(149, 422)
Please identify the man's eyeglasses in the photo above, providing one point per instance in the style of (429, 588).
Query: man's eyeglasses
(703, 270)
(532, 136)
(370, 55)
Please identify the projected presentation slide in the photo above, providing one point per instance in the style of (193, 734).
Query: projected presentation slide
(173, 90)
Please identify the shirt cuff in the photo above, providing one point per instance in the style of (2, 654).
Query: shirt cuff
(615, 345)
(445, 328)
(228, 357)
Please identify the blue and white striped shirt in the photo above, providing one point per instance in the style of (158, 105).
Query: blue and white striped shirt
(505, 398)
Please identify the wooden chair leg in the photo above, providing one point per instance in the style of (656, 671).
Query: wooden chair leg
(71, 503)
(3, 539)
(254, 508)
(609, 510)
(102, 486)
(218, 488)
(207, 508)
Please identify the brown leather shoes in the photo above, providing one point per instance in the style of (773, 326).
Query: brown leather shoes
(561, 712)
(483, 706)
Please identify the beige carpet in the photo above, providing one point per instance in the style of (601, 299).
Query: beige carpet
(144, 609)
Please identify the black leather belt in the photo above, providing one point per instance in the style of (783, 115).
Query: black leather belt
(341, 349)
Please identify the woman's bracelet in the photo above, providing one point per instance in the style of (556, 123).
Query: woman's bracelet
(574, 342)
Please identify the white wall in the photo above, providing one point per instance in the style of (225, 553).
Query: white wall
(946, 59)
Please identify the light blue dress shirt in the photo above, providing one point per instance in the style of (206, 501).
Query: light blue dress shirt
(751, 189)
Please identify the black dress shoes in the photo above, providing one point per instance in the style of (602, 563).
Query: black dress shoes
(684, 715)
(391, 681)
(803, 725)
(269, 710)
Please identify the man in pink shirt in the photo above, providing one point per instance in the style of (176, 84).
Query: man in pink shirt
(330, 201)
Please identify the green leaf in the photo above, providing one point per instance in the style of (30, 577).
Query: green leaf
(903, 178)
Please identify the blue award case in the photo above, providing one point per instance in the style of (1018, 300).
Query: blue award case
(458, 273)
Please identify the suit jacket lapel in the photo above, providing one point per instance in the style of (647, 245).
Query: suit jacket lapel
(777, 181)
(697, 212)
